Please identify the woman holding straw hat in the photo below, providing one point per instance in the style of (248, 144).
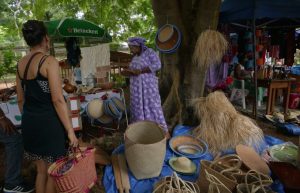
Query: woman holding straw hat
(145, 100)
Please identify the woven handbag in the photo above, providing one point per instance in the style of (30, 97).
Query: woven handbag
(75, 173)
(215, 178)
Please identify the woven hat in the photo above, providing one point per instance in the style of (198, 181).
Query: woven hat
(95, 108)
(168, 38)
(182, 165)
(105, 119)
(251, 159)
(188, 146)
(118, 103)
(111, 109)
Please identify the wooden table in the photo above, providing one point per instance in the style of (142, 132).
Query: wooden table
(273, 86)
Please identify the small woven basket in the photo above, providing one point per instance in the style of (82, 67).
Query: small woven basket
(75, 173)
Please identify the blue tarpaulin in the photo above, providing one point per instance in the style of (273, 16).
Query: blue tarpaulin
(237, 10)
(146, 186)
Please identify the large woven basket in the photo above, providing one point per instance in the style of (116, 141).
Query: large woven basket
(80, 177)
(145, 149)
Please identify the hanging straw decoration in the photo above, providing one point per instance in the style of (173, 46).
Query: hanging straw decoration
(210, 48)
(175, 184)
(222, 127)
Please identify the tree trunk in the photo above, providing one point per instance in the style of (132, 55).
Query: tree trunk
(181, 80)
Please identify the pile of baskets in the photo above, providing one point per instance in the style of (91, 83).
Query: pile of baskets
(106, 110)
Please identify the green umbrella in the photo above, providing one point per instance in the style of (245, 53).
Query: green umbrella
(69, 27)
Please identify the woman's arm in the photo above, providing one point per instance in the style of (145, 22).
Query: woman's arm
(60, 105)
(20, 93)
(155, 63)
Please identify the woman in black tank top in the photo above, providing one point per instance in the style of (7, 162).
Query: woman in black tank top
(45, 121)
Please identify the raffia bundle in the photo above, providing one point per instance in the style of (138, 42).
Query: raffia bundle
(222, 127)
(210, 48)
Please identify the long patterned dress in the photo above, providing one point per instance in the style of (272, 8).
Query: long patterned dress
(145, 103)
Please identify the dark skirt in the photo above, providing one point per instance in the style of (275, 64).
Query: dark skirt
(44, 137)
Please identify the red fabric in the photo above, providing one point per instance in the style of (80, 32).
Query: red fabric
(294, 100)
(229, 80)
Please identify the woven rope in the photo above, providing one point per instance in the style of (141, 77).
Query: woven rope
(175, 184)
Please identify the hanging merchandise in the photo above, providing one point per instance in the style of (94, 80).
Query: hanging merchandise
(210, 48)
(73, 51)
(168, 38)
(224, 128)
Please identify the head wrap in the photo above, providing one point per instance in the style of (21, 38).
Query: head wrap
(137, 41)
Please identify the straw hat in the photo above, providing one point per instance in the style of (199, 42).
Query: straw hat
(95, 108)
(111, 109)
(168, 38)
(188, 146)
(105, 119)
(118, 103)
(251, 159)
(182, 165)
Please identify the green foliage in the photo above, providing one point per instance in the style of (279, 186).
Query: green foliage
(8, 62)
(119, 80)
(122, 18)
(8, 58)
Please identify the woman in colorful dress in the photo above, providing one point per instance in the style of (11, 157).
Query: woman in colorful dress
(145, 103)
(45, 121)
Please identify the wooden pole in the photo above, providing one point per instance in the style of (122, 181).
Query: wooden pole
(298, 164)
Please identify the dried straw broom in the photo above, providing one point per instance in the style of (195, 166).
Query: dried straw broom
(210, 48)
(222, 127)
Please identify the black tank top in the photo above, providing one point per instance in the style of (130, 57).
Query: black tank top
(43, 132)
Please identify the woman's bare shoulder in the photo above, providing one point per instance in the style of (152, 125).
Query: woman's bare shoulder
(51, 60)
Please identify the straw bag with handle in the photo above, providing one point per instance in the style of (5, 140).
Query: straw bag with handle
(224, 173)
(255, 182)
(75, 173)
(174, 184)
(214, 177)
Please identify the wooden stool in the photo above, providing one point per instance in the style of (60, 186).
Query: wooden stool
(273, 87)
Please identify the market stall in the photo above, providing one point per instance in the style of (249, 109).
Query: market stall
(256, 17)
(257, 14)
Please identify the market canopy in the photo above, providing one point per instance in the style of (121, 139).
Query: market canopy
(69, 27)
(237, 10)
